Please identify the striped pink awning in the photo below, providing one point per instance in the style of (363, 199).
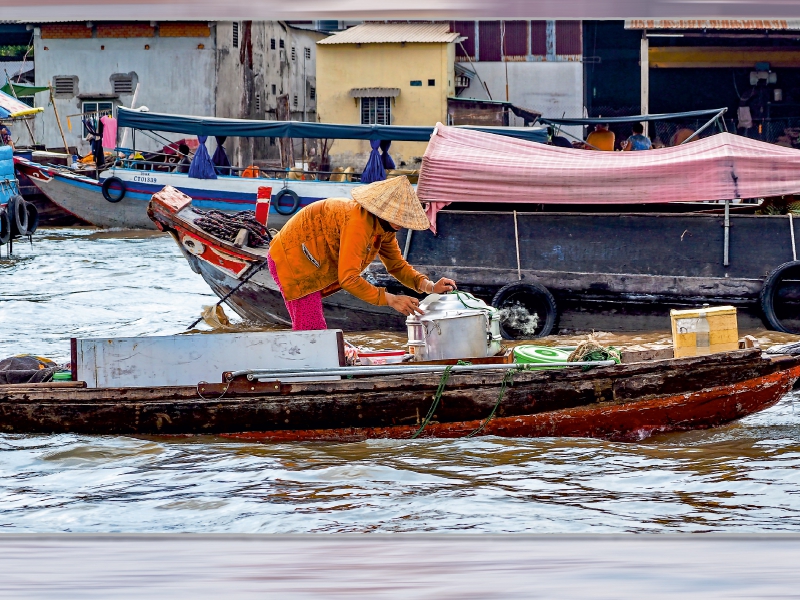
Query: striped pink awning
(470, 166)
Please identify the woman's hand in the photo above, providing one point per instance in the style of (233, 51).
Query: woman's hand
(444, 285)
(405, 305)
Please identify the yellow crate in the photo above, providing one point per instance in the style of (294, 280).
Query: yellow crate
(723, 332)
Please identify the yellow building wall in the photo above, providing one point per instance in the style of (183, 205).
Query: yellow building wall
(342, 67)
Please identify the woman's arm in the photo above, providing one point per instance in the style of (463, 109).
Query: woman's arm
(399, 268)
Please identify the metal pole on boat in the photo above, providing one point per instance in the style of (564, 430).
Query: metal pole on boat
(725, 258)
(644, 61)
(272, 374)
(408, 243)
(516, 240)
(791, 231)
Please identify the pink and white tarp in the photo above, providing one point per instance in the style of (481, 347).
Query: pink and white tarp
(470, 166)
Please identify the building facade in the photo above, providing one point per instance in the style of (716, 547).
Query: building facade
(98, 66)
(225, 69)
(386, 74)
(265, 70)
(533, 64)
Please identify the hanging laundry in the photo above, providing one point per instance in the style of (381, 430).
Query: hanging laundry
(220, 158)
(109, 132)
(374, 171)
(201, 167)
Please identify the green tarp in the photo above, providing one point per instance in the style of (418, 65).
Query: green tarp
(23, 90)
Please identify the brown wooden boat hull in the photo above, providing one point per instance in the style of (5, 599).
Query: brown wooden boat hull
(627, 422)
(624, 402)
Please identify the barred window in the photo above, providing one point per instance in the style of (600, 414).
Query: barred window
(312, 93)
(294, 53)
(376, 111)
(295, 100)
(308, 53)
(272, 44)
(236, 35)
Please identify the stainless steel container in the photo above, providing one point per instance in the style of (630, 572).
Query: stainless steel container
(455, 325)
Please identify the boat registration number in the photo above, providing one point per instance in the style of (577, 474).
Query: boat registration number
(144, 179)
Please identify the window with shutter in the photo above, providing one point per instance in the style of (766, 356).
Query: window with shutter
(272, 44)
(312, 93)
(236, 35)
(294, 55)
(308, 54)
(295, 100)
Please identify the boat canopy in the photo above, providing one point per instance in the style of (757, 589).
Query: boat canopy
(11, 108)
(212, 126)
(470, 166)
(714, 112)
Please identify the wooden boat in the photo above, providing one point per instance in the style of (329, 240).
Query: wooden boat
(225, 267)
(627, 402)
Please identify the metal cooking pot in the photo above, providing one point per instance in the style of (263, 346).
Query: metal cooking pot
(455, 325)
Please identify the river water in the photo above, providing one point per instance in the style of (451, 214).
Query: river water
(744, 477)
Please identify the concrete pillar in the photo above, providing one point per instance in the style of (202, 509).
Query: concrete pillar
(551, 40)
(644, 61)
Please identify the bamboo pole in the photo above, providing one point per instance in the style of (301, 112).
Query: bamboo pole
(58, 120)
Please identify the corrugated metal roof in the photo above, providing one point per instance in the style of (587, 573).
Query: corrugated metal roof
(780, 24)
(375, 92)
(387, 33)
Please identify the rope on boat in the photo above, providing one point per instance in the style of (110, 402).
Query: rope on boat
(436, 398)
(226, 226)
(508, 379)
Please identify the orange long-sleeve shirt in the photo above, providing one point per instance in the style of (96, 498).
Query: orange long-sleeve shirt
(327, 245)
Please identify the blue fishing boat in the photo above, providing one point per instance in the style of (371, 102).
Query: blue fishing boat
(118, 197)
(17, 217)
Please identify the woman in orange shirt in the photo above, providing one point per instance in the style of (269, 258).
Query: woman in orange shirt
(326, 246)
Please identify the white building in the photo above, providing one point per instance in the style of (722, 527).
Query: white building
(226, 69)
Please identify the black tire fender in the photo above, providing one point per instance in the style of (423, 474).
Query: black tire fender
(17, 216)
(767, 296)
(5, 227)
(33, 217)
(535, 291)
(276, 202)
(107, 189)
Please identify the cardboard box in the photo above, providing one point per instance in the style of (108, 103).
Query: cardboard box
(723, 331)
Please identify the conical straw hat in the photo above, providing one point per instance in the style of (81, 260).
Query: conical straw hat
(393, 200)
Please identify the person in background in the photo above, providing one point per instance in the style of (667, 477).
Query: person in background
(638, 141)
(5, 135)
(185, 161)
(683, 134)
(601, 138)
(326, 246)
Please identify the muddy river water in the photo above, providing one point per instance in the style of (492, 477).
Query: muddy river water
(744, 477)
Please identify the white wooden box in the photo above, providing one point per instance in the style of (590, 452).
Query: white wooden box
(189, 359)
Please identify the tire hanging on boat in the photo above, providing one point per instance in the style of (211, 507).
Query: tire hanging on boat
(107, 189)
(528, 310)
(5, 227)
(17, 216)
(33, 217)
(276, 202)
(767, 297)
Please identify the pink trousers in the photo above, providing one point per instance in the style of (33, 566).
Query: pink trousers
(306, 312)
